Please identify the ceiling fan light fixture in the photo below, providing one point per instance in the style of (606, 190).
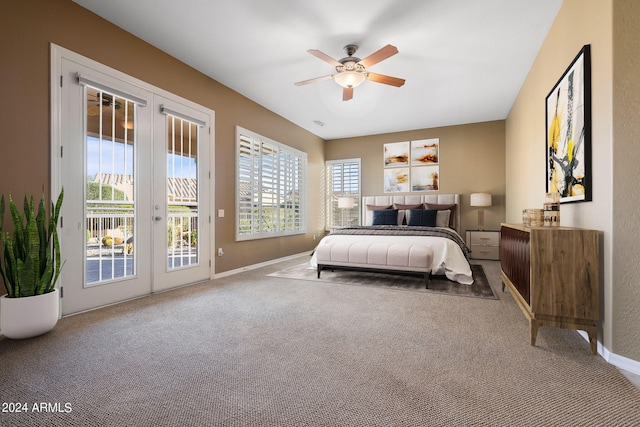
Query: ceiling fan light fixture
(350, 79)
(352, 72)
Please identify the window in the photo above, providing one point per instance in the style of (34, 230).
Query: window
(343, 192)
(271, 198)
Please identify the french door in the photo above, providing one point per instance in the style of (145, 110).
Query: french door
(180, 196)
(134, 165)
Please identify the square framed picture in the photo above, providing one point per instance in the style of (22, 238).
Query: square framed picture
(425, 152)
(396, 180)
(396, 154)
(425, 178)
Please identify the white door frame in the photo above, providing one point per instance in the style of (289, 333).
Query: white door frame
(58, 54)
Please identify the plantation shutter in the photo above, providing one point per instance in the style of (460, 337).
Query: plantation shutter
(343, 180)
(271, 195)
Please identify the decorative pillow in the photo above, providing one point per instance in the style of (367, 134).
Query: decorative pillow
(423, 217)
(452, 207)
(378, 208)
(403, 211)
(442, 220)
(385, 217)
(369, 218)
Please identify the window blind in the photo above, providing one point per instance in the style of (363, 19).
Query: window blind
(343, 180)
(271, 188)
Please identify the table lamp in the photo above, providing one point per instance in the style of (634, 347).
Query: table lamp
(480, 200)
(345, 203)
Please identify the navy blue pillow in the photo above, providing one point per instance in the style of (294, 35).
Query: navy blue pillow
(385, 217)
(423, 217)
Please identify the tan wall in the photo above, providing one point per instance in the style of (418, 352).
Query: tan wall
(614, 151)
(28, 27)
(626, 181)
(471, 160)
(578, 23)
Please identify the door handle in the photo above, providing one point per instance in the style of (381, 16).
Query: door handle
(158, 218)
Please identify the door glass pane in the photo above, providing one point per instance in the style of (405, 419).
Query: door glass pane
(110, 195)
(182, 193)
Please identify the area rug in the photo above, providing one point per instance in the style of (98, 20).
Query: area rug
(438, 284)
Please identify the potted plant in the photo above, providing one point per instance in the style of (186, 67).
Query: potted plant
(30, 266)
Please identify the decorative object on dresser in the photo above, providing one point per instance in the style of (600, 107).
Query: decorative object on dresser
(480, 200)
(552, 209)
(484, 244)
(553, 275)
(532, 217)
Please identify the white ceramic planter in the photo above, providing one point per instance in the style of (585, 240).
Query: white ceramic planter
(28, 317)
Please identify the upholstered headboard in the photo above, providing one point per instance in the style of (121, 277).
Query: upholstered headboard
(413, 199)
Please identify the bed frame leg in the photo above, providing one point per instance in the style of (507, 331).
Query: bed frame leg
(427, 277)
(319, 268)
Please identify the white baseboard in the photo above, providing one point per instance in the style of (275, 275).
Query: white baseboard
(622, 362)
(618, 361)
(259, 265)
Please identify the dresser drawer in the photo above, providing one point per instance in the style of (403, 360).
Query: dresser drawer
(484, 244)
(490, 238)
(485, 252)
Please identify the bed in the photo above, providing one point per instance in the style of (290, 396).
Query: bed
(413, 244)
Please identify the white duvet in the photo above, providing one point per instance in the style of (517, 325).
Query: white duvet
(448, 258)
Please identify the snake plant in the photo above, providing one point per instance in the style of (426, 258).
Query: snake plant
(30, 262)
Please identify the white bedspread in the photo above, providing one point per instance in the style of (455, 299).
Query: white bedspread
(448, 258)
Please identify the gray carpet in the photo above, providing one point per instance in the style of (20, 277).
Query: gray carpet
(253, 350)
(480, 288)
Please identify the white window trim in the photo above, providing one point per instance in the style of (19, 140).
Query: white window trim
(303, 185)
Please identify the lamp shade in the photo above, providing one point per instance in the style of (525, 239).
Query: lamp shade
(480, 199)
(345, 202)
(349, 79)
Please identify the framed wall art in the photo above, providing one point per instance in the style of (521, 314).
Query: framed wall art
(425, 152)
(396, 180)
(412, 166)
(396, 154)
(568, 132)
(425, 178)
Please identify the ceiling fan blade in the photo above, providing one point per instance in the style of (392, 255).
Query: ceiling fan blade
(347, 93)
(387, 80)
(324, 57)
(317, 79)
(379, 55)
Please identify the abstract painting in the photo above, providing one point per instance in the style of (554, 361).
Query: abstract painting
(425, 152)
(568, 132)
(396, 180)
(396, 154)
(425, 178)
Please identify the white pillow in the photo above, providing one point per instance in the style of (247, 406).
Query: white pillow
(442, 218)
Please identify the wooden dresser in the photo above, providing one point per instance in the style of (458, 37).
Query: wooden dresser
(553, 275)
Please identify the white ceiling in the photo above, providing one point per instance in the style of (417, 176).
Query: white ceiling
(463, 60)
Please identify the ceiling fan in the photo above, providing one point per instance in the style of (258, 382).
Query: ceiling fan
(352, 71)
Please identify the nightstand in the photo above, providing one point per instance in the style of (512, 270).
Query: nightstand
(484, 244)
